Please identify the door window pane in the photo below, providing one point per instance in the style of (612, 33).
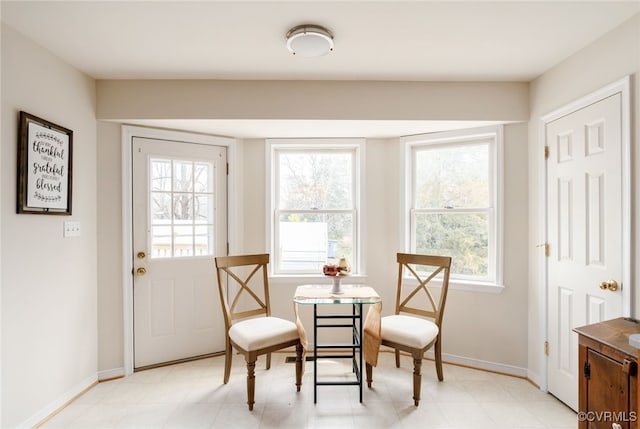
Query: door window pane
(203, 209)
(161, 241)
(182, 176)
(182, 240)
(203, 239)
(181, 198)
(161, 175)
(182, 207)
(160, 206)
(203, 178)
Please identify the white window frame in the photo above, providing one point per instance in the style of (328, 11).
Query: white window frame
(356, 145)
(496, 221)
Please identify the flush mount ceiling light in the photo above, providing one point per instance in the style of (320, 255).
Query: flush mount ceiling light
(309, 40)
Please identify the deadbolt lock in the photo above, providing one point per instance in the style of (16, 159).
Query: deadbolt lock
(612, 285)
(141, 255)
(141, 271)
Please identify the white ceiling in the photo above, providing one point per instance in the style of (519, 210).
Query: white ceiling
(376, 40)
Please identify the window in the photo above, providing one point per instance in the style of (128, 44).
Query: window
(454, 201)
(181, 208)
(315, 204)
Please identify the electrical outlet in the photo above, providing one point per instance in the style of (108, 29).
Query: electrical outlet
(71, 229)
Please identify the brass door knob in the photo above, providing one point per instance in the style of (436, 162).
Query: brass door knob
(141, 255)
(612, 285)
(141, 271)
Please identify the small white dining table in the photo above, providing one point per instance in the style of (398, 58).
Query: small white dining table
(354, 295)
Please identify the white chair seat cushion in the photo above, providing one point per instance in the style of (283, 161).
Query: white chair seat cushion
(411, 331)
(262, 332)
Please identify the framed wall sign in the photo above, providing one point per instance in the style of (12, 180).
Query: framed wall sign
(44, 167)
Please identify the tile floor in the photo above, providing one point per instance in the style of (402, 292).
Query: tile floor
(191, 395)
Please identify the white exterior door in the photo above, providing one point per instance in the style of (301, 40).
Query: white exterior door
(179, 224)
(585, 234)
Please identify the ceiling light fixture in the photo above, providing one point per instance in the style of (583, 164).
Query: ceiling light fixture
(309, 40)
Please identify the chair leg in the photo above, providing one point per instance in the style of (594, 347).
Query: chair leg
(417, 379)
(268, 360)
(227, 361)
(369, 369)
(438, 356)
(251, 382)
(397, 358)
(298, 366)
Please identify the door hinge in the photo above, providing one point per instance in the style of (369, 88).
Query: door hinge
(547, 252)
(227, 168)
(546, 348)
(227, 248)
(546, 152)
(587, 370)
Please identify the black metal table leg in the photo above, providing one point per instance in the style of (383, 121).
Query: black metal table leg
(315, 353)
(355, 325)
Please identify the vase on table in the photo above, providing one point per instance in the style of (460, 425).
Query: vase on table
(336, 284)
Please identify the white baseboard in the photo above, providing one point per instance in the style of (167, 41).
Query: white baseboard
(535, 378)
(472, 363)
(110, 374)
(59, 403)
(482, 364)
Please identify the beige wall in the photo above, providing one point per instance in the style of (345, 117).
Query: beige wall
(493, 327)
(110, 305)
(608, 59)
(357, 100)
(49, 283)
(123, 101)
(479, 327)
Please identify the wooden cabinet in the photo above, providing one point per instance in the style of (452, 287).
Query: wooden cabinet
(608, 366)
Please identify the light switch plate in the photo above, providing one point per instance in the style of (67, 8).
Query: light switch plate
(71, 229)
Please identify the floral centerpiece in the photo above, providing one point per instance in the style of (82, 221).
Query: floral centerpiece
(335, 271)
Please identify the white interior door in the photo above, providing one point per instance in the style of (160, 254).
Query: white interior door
(584, 180)
(179, 223)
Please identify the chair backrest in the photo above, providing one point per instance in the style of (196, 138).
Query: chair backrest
(423, 268)
(244, 286)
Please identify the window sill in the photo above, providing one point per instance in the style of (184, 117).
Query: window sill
(467, 286)
(483, 287)
(300, 279)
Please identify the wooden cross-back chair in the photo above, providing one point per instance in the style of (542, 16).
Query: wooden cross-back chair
(249, 326)
(415, 329)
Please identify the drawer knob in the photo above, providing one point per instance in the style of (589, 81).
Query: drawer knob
(629, 367)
